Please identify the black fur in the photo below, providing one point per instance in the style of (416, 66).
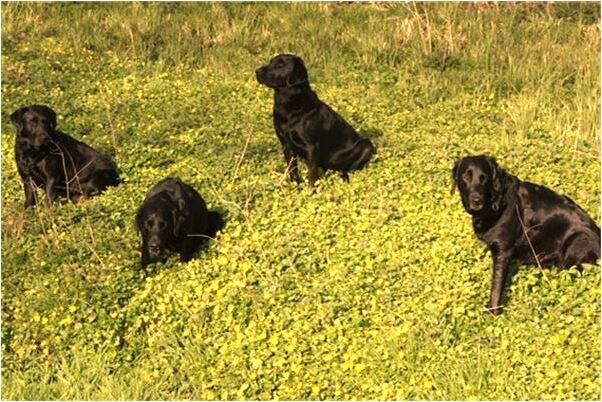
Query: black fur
(53, 160)
(560, 232)
(307, 127)
(174, 217)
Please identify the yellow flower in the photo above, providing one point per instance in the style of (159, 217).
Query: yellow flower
(427, 385)
(359, 367)
(273, 339)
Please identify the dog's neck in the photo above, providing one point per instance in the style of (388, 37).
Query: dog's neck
(297, 97)
(485, 220)
(48, 144)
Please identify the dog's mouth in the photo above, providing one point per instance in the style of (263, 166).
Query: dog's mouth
(156, 252)
(476, 206)
(37, 138)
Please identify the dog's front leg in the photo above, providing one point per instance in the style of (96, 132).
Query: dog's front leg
(291, 163)
(312, 165)
(50, 190)
(145, 260)
(501, 260)
(30, 195)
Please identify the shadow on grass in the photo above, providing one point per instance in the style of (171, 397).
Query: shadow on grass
(371, 132)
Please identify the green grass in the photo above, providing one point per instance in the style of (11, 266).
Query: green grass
(373, 289)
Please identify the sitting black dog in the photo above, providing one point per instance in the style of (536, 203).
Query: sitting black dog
(61, 164)
(523, 221)
(174, 217)
(307, 127)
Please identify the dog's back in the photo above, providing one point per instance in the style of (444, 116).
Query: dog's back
(186, 201)
(85, 162)
(559, 229)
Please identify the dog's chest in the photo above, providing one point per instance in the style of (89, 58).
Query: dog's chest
(290, 132)
(284, 121)
(29, 160)
(39, 163)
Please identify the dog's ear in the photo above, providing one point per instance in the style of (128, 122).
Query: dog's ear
(179, 213)
(178, 196)
(454, 175)
(299, 74)
(498, 182)
(178, 222)
(17, 117)
(50, 115)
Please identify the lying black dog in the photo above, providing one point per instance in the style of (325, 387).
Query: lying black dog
(523, 221)
(61, 164)
(307, 127)
(174, 217)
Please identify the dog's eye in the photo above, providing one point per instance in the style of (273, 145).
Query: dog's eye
(482, 178)
(161, 224)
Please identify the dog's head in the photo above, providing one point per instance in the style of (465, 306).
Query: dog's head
(283, 71)
(481, 184)
(159, 221)
(35, 123)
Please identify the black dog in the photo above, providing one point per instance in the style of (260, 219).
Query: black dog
(307, 127)
(174, 217)
(523, 221)
(61, 164)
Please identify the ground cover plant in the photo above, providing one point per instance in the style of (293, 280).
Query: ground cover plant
(373, 289)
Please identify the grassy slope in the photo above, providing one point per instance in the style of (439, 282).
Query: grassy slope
(372, 289)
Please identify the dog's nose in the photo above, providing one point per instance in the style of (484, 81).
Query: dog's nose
(259, 73)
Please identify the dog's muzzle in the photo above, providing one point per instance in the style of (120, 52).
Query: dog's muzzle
(476, 203)
(154, 247)
(260, 74)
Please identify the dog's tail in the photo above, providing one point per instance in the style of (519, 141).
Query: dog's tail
(364, 151)
(216, 223)
(110, 177)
